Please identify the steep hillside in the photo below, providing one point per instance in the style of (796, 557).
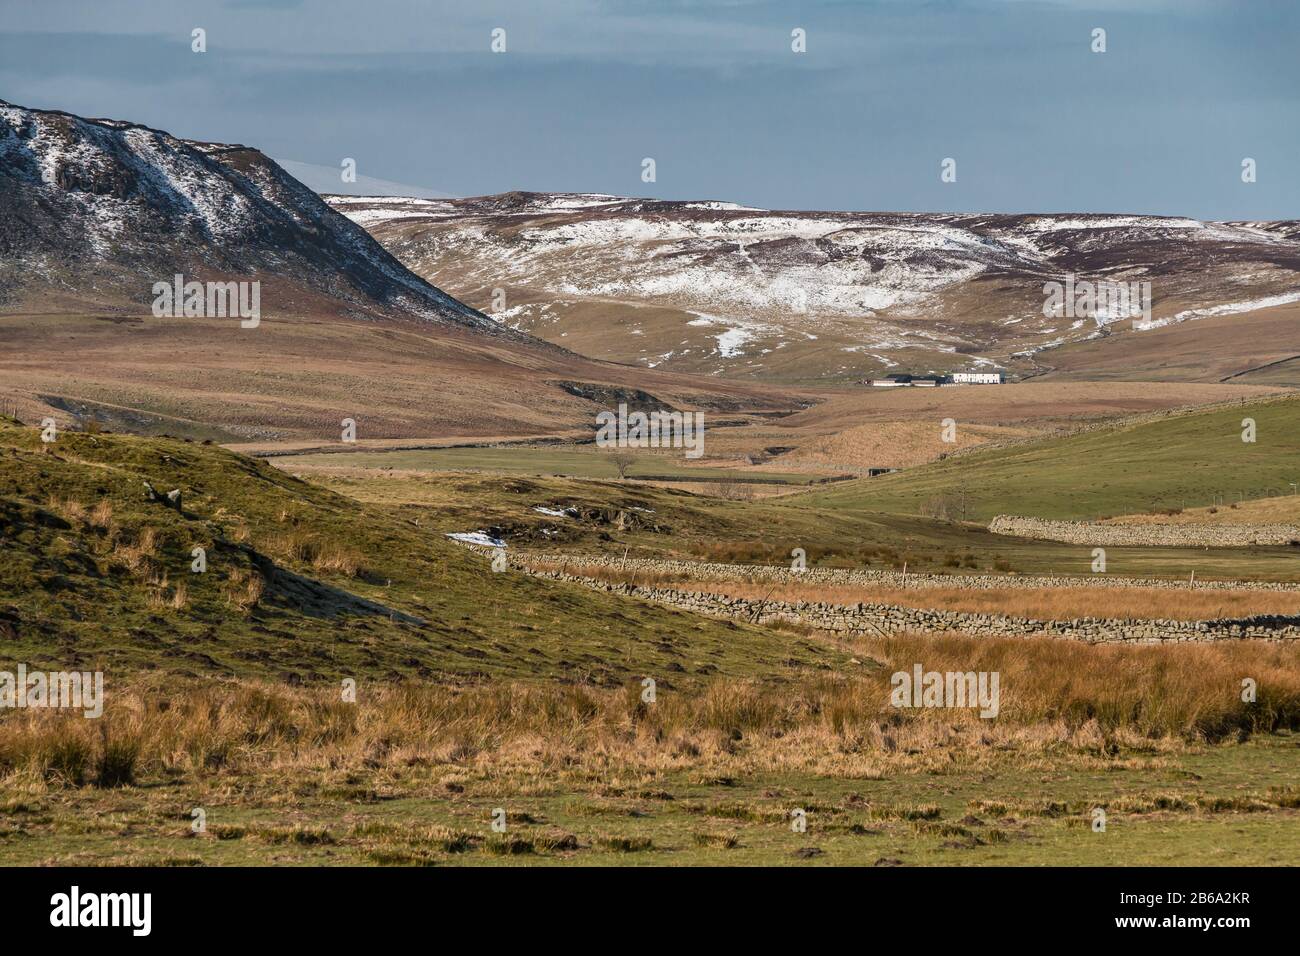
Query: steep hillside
(98, 210)
(301, 583)
(723, 289)
(93, 213)
(1182, 460)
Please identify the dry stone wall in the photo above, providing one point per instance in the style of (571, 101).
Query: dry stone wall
(893, 579)
(1146, 535)
(883, 619)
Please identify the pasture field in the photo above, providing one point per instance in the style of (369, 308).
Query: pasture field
(1180, 461)
(1284, 509)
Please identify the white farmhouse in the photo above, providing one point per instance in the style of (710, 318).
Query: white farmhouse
(977, 378)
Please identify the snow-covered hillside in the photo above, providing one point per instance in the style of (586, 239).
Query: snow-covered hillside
(854, 292)
(107, 208)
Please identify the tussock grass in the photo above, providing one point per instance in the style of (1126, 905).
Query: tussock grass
(338, 560)
(720, 841)
(164, 596)
(245, 588)
(68, 508)
(101, 516)
(1138, 803)
(625, 844)
(299, 835)
(1055, 696)
(311, 549)
(914, 813)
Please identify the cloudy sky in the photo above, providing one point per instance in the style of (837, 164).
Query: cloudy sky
(710, 89)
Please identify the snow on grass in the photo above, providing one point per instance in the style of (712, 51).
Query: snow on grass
(731, 339)
(481, 538)
(1228, 308)
(368, 217)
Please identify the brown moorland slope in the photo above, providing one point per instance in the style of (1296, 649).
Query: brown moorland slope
(94, 214)
(1254, 348)
(299, 376)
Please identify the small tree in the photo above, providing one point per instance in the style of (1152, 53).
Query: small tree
(731, 489)
(622, 460)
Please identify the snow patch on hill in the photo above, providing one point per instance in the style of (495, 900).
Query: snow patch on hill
(1227, 308)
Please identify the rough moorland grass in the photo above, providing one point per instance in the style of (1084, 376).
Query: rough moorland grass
(1053, 695)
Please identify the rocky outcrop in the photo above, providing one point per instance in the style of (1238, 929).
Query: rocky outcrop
(1146, 535)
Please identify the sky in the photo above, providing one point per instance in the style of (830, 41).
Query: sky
(713, 92)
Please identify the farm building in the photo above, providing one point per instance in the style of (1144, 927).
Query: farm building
(908, 381)
(977, 378)
(892, 381)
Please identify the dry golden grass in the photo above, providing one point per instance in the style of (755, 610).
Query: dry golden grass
(137, 552)
(1046, 604)
(1284, 509)
(339, 560)
(101, 516)
(69, 508)
(165, 597)
(888, 445)
(294, 545)
(1055, 697)
(309, 549)
(244, 588)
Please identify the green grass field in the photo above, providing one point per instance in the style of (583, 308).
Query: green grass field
(1179, 461)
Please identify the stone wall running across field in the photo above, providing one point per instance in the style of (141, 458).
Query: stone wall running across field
(1094, 533)
(892, 579)
(882, 619)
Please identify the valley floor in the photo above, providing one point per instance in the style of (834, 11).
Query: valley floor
(479, 691)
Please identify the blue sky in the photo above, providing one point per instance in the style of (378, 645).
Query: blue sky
(887, 89)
